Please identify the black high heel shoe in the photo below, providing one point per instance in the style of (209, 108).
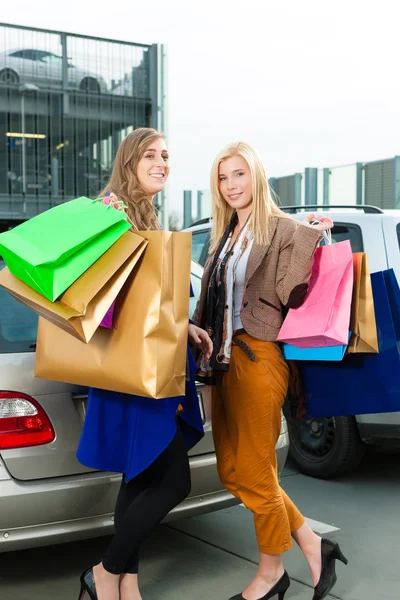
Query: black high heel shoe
(88, 585)
(280, 588)
(330, 551)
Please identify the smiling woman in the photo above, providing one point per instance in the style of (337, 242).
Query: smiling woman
(153, 167)
(235, 183)
(140, 171)
(260, 265)
(153, 435)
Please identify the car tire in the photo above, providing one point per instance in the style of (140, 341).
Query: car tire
(8, 76)
(324, 448)
(89, 84)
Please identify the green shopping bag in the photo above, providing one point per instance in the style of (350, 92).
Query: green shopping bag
(50, 251)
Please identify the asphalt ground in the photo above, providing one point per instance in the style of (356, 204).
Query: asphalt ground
(215, 556)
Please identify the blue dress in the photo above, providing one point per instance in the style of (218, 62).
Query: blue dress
(125, 434)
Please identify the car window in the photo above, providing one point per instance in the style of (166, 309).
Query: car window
(348, 231)
(27, 54)
(19, 54)
(196, 286)
(47, 57)
(18, 325)
(200, 244)
(41, 55)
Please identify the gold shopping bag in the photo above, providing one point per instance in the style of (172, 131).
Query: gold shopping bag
(364, 336)
(81, 308)
(146, 353)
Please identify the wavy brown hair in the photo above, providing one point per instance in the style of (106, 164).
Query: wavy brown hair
(124, 182)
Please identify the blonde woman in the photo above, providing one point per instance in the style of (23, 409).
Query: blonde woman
(260, 264)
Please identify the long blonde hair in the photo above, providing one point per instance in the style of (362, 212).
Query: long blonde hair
(124, 182)
(264, 199)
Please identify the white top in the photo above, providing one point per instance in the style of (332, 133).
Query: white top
(235, 283)
(239, 286)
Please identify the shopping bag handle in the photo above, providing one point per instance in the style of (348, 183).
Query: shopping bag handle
(326, 238)
(111, 201)
(326, 235)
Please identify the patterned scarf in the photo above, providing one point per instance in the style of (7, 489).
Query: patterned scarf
(220, 301)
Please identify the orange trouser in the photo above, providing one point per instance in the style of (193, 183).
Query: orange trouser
(246, 418)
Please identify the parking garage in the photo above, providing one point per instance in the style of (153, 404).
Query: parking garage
(66, 102)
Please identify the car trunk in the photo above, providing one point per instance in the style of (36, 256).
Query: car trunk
(63, 403)
(65, 406)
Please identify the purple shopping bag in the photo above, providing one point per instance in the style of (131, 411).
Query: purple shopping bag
(107, 321)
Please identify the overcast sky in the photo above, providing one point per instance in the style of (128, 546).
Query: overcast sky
(309, 83)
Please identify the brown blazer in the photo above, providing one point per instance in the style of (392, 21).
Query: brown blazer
(277, 277)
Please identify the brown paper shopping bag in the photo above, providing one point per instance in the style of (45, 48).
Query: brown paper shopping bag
(81, 308)
(146, 353)
(364, 336)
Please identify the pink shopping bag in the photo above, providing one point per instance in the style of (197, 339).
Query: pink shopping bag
(324, 317)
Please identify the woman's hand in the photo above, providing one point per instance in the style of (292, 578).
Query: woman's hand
(200, 338)
(324, 223)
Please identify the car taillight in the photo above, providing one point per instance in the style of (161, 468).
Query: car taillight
(23, 422)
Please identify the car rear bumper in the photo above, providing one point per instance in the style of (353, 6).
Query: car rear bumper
(78, 529)
(65, 509)
(58, 510)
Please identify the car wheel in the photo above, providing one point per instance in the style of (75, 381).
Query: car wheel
(9, 76)
(324, 448)
(90, 85)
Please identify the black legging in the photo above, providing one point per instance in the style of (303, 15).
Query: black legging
(143, 503)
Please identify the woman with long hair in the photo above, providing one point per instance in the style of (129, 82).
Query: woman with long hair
(259, 266)
(146, 440)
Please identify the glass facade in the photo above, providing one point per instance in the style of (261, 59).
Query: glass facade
(66, 102)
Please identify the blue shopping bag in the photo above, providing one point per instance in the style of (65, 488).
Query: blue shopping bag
(361, 383)
(328, 353)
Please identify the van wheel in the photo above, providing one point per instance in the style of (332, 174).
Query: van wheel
(324, 448)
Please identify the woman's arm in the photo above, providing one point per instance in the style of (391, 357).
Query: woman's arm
(296, 253)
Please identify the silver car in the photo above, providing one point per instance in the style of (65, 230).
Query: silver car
(46, 495)
(30, 65)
